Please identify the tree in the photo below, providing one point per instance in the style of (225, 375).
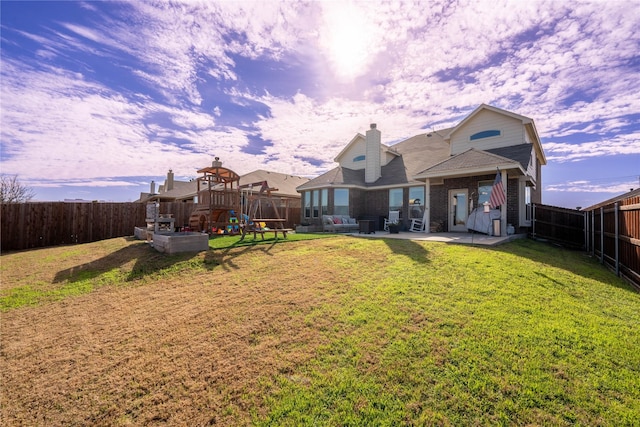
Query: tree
(13, 191)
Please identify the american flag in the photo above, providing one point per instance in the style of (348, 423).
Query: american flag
(497, 197)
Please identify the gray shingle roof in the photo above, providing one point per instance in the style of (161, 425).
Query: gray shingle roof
(470, 159)
(520, 153)
(415, 154)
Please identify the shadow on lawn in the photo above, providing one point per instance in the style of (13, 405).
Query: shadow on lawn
(574, 261)
(226, 256)
(408, 248)
(147, 261)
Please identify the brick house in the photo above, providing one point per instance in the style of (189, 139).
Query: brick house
(442, 176)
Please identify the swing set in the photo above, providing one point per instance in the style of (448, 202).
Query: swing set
(261, 212)
(221, 198)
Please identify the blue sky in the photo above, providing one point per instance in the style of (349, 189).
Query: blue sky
(100, 98)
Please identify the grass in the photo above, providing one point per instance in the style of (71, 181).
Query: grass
(335, 331)
(226, 241)
(34, 277)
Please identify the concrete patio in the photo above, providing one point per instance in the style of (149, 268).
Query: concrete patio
(461, 238)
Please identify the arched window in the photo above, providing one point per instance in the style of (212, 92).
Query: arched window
(485, 134)
(359, 158)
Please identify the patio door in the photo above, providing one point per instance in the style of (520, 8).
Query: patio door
(458, 209)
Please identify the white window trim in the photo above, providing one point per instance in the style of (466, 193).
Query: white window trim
(522, 206)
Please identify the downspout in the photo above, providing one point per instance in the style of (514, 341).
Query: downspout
(427, 206)
(503, 211)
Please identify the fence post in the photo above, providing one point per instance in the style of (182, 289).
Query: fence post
(601, 235)
(616, 211)
(585, 218)
(533, 221)
(593, 233)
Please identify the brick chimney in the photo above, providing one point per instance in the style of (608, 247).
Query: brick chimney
(216, 163)
(373, 155)
(153, 188)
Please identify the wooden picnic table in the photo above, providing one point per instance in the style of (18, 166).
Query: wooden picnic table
(261, 231)
(256, 229)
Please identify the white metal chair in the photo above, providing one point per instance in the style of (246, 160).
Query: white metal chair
(418, 225)
(394, 217)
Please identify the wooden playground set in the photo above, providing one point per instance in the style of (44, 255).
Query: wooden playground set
(226, 207)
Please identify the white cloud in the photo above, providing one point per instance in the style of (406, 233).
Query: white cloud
(592, 187)
(621, 145)
(405, 66)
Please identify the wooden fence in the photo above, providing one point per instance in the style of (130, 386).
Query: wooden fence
(613, 235)
(610, 232)
(560, 225)
(36, 225)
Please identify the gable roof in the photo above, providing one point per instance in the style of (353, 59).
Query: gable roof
(353, 141)
(429, 156)
(481, 107)
(527, 122)
(413, 154)
(472, 161)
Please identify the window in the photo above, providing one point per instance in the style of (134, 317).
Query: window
(324, 201)
(315, 202)
(306, 202)
(395, 199)
(484, 192)
(485, 134)
(341, 201)
(416, 202)
(358, 158)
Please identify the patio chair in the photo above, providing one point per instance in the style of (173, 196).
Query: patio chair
(394, 217)
(418, 225)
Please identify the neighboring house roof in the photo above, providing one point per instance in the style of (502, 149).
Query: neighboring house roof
(185, 190)
(632, 193)
(471, 161)
(181, 190)
(285, 184)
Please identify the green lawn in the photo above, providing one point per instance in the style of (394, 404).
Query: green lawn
(406, 333)
(452, 335)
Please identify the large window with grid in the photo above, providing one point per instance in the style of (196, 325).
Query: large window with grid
(341, 201)
(416, 202)
(395, 199)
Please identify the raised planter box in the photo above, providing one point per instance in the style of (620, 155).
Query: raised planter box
(185, 241)
(308, 228)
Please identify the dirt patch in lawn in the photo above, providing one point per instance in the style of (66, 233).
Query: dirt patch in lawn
(194, 349)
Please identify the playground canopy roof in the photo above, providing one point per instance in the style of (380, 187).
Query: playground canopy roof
(222, 175)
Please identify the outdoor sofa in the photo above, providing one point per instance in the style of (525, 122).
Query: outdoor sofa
(339, 223)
